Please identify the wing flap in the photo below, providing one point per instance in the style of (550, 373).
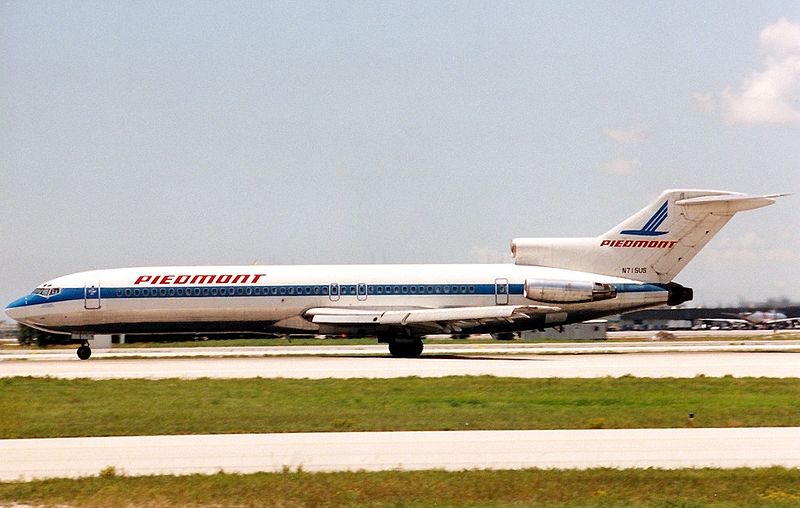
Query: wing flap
(402, 317)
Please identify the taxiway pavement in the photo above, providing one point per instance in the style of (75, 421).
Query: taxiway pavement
(500, 348)
(24, 459)
(678, 364)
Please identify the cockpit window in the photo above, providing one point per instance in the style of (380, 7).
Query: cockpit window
(46, 291)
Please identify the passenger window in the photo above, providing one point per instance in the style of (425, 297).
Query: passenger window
(196, 291)
(213, 291)
(163, 292)
(171, 292)
(240, 291)
(127, 292)
(119, 292)
(316, 290)
(205, 291)
(180, 291)
(413, 290)
(136, 292)
(405, 290)
(472, 289)
(463, 289)
(324, 290)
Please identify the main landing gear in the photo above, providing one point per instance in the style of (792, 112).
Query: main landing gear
(84, 352)
(405, 348)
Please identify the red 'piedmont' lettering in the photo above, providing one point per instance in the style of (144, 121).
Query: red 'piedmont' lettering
(639, 244)
(241, 278)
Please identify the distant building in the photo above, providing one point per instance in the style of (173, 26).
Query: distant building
(669, 318)
(589, 330)
(8, 331)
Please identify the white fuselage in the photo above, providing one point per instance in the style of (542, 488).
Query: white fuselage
(205, 299)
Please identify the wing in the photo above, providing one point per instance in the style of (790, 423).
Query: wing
(445, 318)
(724, 320)
(788, 321)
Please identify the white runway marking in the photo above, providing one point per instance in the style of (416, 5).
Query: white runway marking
(522, 366)
(453, 450)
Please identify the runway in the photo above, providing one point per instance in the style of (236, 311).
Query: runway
(372, 451)
(455, 347)
(682, 364)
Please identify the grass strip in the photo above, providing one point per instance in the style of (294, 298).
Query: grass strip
(36, 407)
(773, 487)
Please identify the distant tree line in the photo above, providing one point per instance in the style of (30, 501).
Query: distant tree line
(28, 336)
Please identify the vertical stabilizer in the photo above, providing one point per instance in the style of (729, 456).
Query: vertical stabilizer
(653, 245)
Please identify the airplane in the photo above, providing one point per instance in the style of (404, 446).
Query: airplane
(552, 282)
(758, 319)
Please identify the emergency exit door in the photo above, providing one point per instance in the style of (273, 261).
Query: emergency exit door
(501, 291)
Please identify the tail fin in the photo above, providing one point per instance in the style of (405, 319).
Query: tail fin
(653, 245)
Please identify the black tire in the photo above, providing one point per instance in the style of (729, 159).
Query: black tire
(406, 349)
(84, 352)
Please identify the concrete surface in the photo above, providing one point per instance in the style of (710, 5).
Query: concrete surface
(453, 450)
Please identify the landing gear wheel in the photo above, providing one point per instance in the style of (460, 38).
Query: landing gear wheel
(84, 352)
(406, 349)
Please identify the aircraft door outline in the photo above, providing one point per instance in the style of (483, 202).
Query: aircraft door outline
(501, 291)
(91, 296)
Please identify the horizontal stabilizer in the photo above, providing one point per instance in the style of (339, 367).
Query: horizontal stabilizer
(730, 203)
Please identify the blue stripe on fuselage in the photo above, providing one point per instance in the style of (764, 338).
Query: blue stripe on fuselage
(297, 290)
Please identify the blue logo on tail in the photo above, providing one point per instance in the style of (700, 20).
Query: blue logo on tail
(652, 224)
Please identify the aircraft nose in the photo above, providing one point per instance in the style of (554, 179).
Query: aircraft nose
(16, 309)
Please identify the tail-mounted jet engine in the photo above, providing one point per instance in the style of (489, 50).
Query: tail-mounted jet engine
(562, 291)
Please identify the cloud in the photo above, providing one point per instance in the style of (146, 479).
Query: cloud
(771, 95)
(632, 135)
(621, 166)
(705, 102)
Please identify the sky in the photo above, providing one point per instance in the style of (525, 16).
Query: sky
(180, 133)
